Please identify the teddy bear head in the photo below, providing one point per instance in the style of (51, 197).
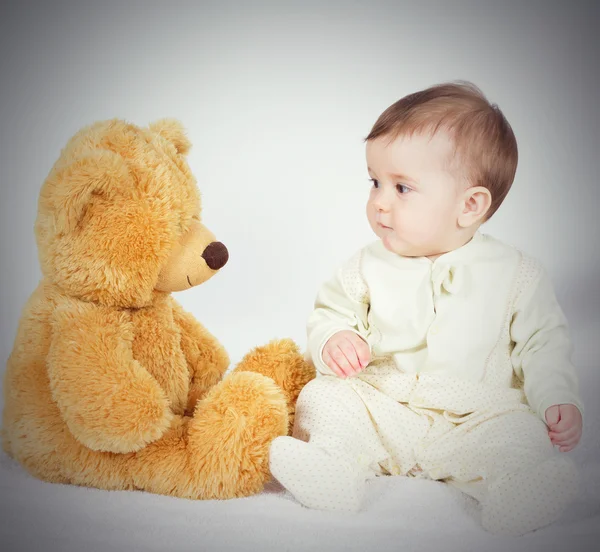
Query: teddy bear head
(119, 216)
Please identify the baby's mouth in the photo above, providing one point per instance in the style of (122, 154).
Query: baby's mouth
(384, 226)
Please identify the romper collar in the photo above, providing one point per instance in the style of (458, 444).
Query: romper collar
(448, 270)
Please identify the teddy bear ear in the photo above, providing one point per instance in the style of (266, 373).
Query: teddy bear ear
(173, 131)
(72, 187)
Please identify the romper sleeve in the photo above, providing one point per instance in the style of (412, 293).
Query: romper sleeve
(541, 354)
(342, 303)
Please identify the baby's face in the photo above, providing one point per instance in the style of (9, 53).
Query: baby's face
(415, 200)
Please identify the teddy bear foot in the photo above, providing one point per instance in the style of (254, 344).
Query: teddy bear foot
(281, 361)
(231, 433)
(223, 451)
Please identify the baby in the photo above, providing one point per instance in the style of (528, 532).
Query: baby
(441, 352)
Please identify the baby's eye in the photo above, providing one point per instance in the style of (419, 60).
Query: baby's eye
(402, 189)
(375, 182)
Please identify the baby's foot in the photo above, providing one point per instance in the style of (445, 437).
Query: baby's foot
(316, 478)
(527, 500)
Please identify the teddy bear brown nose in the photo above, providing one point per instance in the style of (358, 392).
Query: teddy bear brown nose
(215, 255)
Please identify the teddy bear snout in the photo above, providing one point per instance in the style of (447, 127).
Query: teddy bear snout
(215, 255)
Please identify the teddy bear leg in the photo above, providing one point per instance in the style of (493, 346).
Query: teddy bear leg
(73, 463)
(50, 453)
(223, 450)
(281, 361)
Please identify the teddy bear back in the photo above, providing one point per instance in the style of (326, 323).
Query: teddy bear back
(117, 201)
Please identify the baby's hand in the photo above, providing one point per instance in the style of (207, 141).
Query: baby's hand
(346, 353)
(565, 423)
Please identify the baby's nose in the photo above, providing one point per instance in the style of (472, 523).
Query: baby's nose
(381, 206)
(215, 255)
(381, 201)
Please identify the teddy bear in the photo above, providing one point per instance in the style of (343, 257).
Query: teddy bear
(111, 383)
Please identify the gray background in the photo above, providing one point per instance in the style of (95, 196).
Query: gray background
(277, 97)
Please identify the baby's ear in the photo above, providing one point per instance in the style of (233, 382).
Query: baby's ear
(173, 131)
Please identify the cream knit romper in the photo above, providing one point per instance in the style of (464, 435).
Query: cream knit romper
(468, 351)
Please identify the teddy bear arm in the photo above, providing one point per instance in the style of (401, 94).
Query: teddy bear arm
(206, 358)
(107, 399)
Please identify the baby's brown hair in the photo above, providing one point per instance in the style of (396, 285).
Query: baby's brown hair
(484, 142)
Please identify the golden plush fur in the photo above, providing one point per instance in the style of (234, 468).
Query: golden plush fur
(111, 384)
